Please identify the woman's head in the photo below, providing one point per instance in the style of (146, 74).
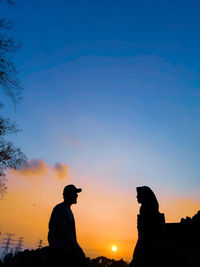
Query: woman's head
(146, 196)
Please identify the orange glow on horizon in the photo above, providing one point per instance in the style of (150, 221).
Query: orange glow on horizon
(101, 214)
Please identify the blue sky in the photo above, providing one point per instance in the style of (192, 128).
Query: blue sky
(111, 87)
(112, 92)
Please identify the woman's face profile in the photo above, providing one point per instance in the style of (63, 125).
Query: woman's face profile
(139, 198)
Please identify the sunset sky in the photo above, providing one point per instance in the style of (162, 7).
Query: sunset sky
(111, 102)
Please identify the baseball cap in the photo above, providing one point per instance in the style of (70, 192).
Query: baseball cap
(70, 188)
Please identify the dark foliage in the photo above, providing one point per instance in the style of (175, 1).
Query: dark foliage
(10, 156)
(42, 258)
(9, 82)
(105, 262)
(8, 258)
(8, 73)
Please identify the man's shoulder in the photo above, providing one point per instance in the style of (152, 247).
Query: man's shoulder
(59, 207)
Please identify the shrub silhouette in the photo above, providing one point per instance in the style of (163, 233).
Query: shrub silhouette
(42, 258)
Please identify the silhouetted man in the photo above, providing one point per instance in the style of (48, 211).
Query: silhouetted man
(62, 232)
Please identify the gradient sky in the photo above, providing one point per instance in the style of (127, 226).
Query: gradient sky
(112, 91)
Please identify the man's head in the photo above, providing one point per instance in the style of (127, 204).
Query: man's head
(70, 194)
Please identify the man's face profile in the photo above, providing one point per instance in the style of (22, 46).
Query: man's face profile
(74, 197)
(71, 197)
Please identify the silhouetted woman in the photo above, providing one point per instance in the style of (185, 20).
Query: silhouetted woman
(150, 224)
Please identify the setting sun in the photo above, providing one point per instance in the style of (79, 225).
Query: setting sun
(114, 248)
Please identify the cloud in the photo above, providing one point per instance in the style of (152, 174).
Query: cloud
(34, 167)
(37, 167)
(72, 140)
(61, 169)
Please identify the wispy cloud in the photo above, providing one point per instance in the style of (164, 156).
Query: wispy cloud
(71, 140)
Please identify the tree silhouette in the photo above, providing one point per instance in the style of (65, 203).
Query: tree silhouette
(105, 262)
(10, 156)
(8, 73)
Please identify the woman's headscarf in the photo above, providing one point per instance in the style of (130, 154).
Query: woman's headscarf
(148, 199)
